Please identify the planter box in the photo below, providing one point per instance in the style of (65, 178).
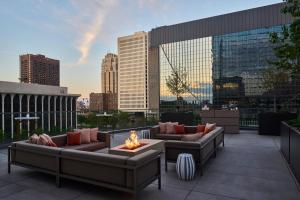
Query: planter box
(290, 147)
(228, 119)
(269, 122)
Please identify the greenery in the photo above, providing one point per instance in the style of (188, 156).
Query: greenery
(295, 122)
(2, 136)
(177, 84)
(274, 81)
(287, 48)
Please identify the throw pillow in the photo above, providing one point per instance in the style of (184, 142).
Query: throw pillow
(85, 135)
(201, 128)
(49, 140)
(42, 140)
(34, 139)
(179, 129)
(73, 138)
(162, 128)
(209, 127)
(171, 127)
(192, 137)
(94, 134)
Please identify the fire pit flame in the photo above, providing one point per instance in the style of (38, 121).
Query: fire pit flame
(132, 142)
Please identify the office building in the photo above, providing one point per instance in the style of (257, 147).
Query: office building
(132, 74)
(109, 73)
(39, 69)
(103, 102)
(223, 59)
(53, 107)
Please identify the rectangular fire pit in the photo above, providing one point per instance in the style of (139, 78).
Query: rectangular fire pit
(146, 144)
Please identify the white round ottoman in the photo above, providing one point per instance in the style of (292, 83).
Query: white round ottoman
(185, 166)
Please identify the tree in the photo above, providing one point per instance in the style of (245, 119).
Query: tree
(177, 84)
(287, 48)
(274, 80)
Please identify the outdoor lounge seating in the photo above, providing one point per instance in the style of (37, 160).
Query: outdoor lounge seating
(155, 133)
(201, 149)
(128, 174)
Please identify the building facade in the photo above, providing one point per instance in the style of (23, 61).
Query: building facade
(133, 70)
(39, 69)
(52, 107)
(103, 102)
(109, 74)
(221, 58)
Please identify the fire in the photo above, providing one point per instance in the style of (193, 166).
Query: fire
(132, 142)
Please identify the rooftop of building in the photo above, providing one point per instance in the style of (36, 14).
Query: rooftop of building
(34, 89)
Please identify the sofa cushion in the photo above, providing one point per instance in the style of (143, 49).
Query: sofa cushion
(94, 146)
(192, 137)
(179, 129)
(73, 138)
(190, 129)
(60, 140)
(94, 134)
(168, 136)
(209, 127)
(171, 127)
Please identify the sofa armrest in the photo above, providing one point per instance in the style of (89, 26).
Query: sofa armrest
(182, 144)
(104, 137)
(154, 130)
(142, 158)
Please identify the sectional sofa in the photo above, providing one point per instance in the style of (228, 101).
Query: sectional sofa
(202, 149)
(81, 163)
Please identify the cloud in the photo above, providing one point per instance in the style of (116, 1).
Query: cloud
(99, 11)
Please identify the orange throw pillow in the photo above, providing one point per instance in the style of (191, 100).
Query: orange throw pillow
(209, 127)
(179, 129)
(73, 138)
(200, 128)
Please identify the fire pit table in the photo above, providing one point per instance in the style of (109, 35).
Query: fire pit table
(145, 145)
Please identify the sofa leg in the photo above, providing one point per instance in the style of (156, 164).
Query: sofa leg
(9, 160)
(159, 182)
(58, 182)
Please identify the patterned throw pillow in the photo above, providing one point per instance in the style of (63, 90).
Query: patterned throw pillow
(34, 139)
(49, 140)
(42, 140)
(85, 135)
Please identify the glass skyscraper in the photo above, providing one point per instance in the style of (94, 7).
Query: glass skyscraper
(221, 59)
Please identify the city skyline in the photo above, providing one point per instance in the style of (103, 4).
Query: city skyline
(80, 41)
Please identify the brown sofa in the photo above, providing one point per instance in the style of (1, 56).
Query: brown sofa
(155, 133)
(201, 149)
(128, 174)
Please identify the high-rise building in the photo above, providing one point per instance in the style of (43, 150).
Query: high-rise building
(133, 70)
(109, 74)
(39, 69)
(100, 102)
(222, 58)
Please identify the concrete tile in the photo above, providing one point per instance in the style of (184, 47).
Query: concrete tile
(204, 196)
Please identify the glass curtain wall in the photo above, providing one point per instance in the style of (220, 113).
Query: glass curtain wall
(223, 71)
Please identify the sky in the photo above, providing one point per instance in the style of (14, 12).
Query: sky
(80, 32)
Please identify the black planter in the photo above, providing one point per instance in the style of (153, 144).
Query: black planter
(186, 118)
(269, 122)
(290, 147)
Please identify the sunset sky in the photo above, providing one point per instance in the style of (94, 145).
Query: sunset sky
(80, 32)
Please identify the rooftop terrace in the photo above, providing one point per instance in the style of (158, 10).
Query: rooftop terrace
(250, 166)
